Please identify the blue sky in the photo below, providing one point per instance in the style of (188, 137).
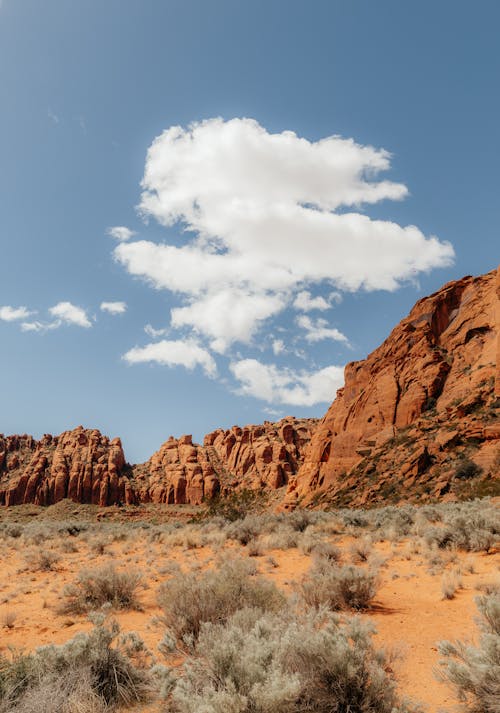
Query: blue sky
(258, 258)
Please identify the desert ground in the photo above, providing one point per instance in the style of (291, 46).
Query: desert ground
(428, 566)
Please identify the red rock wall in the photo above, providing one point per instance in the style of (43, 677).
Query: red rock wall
(440, 362)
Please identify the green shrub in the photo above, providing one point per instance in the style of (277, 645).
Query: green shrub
(467, 469)
(189, 600)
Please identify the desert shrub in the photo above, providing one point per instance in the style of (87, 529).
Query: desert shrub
(361, 549)
(326, 550)
(40, 559)
(467, 469)
(94, 670)
(347, 587)
(236, 505)
(258, 663)
(94, 588)
(474, 672)
(189, 600)
(451, 582)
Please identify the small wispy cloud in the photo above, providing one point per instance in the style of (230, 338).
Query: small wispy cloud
(187, 353)
(317, 331)
(120, 232)
(69, 313)
(114, 307)
(53, 116)
(13, 314)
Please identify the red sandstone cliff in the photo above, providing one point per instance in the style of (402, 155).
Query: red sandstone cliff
(86, 467)
(419, 407)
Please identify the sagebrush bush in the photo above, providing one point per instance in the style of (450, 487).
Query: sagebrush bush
(260, 663)
(347, 587)
(39, 559)
(474, 672)
(106, 585)
(92, 672)
(189, 600)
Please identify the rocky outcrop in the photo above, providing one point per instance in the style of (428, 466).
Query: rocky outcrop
(264, 456)
(417, 408)
(81, 465)
(87, 467)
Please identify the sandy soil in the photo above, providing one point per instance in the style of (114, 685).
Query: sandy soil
(410, 613)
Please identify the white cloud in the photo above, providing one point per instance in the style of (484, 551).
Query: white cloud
(186, 353)
(305, 302)
(114, 307)
(227, 316)
(155, 333)
(121, 232)
(12, 314)
(278, 346)
(318, 330)
(262, 208)
(274, 385)
(68, 313)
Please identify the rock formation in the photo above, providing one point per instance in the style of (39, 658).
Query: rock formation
(417, 410)
(86, 467)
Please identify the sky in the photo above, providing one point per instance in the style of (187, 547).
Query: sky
(209, 207)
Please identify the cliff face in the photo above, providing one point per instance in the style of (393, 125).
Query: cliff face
(81, 465)
(417, 409)
(86, 467)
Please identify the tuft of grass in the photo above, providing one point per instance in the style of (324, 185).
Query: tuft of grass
(451, 582)
(9, 619)
(95, 588)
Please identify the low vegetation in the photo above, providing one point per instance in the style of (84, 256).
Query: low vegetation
(95, 588)
(190, 600)
(259, 663)
(474, 671)
(91, 673)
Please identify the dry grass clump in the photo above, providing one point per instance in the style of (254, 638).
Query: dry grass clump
(189, 600)
(451, 582)
(347, 587)
(9, 618)
(38, 559)
(93, 672)
(260, 663)
(474, 672)
(106, 585)
(361, 549)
